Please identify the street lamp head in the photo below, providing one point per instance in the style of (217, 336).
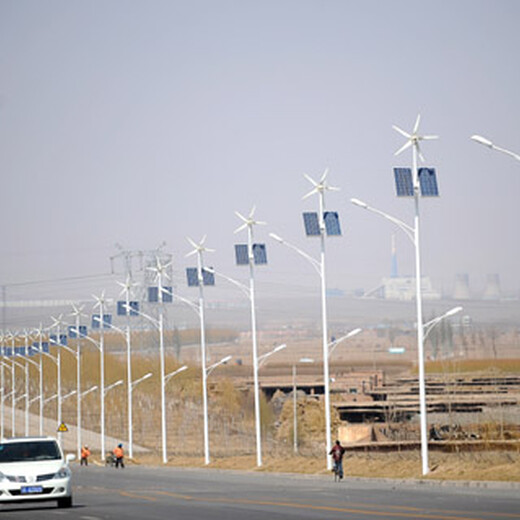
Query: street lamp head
(453, 311)
(482, 140)
(359, 203)
(279, 347)
(277, 238)
(226, 359)
(353, 332)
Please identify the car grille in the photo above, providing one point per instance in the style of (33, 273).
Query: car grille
(17, 492)
(49, 476)
(16, 478)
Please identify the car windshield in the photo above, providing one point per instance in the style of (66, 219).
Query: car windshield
(28, 451)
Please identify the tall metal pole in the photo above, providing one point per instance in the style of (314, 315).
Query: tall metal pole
(102, 372)
(13, 392)
(255, 347)
(295, 419)
(203, 357)
(26, 370)
(78, 386)
(40, 347)
(420, 329)
(326, 377)
(129, 379)
(162, 368)
(2, 394)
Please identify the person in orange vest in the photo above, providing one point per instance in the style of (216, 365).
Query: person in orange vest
(85, 454)
(119, 454)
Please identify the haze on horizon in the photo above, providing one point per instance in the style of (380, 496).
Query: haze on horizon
(143, 122)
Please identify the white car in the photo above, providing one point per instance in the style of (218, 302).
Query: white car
(34, 469)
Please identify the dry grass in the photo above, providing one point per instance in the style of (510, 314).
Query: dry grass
(487, 466)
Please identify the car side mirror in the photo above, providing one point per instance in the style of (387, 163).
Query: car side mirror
(70, 457)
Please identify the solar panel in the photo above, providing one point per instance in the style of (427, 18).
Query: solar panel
(20, 351)
(94, 324)
(72, 332)
(8, 351)
(241, 254)
(134, 308)
(123, 311)
(96, 319)
(428, 182)
(192, 277)
(332, 223)
(121, 308)
(153, 294)
(403, 182)
(32, 350)
(208, 277)
(259, 254)
(45, 346)
(167, 294)
(312, 226)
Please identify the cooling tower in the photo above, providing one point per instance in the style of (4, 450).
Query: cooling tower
(492, 290)
(461, 291)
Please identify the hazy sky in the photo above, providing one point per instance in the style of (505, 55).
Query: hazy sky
(141, 122)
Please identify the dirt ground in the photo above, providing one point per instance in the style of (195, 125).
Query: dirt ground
(477, 466)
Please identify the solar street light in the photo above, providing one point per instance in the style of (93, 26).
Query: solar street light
(198, 250)
(486, 142)
(252, 254)
(320, 224)
(101, 304)
(414, 183)
(129, 310)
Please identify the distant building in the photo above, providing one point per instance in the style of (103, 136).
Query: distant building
(402, 288)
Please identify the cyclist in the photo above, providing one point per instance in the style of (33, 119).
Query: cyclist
(337, 453)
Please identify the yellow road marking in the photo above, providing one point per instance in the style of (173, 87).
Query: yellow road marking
(296, 505)
(135, 495)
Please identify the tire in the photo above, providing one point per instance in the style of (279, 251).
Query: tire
(65, 502)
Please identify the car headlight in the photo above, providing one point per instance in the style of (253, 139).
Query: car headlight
(64, 472)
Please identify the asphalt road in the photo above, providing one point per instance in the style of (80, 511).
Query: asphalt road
(168, 493)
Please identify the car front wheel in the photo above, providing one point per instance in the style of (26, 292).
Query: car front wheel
(65, 502)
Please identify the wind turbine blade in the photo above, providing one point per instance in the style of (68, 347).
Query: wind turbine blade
(417, 121)
(203, 240)
(324, 176)
(191, 253)
(311, 180)
(402, 132)
(192, 243)
(241, 227)
(403, 148)
(429, 137)
(312, 192)
(240, 216)
(252, 212)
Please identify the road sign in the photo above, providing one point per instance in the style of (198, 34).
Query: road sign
(62, 428)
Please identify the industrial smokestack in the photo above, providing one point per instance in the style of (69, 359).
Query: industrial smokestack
(461, 291)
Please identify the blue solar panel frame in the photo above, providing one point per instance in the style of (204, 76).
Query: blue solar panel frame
(192, 276)
(8, 351)
(153, 294)
(167, 294)
(260, 254)
(403, 182)
(241, 254)
(45, 347)
(20, 351)
(312, 224)
(428, 182)
(331, 219)
(208, 277)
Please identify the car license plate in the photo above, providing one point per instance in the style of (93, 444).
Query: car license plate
(28, 490)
